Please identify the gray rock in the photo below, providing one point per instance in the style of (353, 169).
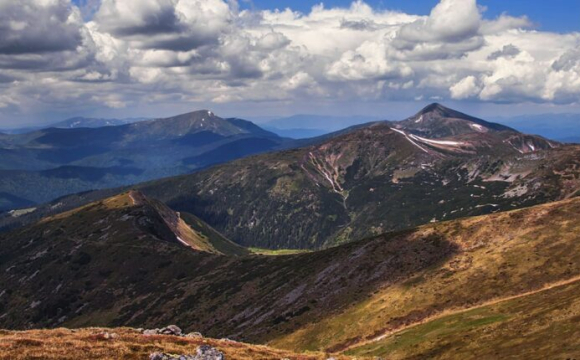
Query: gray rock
(206, 352)
(168, 330)
(194, 334)
(162, 356)
(171, 330)
(108, 336)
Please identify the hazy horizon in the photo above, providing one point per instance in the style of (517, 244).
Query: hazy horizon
(110, 59)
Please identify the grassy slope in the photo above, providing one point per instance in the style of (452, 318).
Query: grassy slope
(254, 201)
(536, 326)
(268, 252)
(500, 255)
(213, 241)
(326, 300)
(89, 343)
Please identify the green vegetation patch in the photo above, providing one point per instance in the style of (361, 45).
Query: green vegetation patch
(269, 252)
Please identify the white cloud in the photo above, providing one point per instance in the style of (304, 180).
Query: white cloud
(450, 20)
(465, 88)
(37, 26)
(368, 62)
(165, 24)
(133, 52)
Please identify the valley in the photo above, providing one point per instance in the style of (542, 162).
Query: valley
(289, 180)
(395, 240)
(364, 181)
(330, 300)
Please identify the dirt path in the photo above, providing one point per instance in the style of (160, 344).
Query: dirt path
(134, 199)
(459, 311)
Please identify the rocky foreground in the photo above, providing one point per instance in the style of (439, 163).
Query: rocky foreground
(127, 343)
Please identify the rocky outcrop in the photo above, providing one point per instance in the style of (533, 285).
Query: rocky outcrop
(204, 352)
(173, 330)
(168, 330)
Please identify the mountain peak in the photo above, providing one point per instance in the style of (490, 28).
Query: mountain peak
(203, 112)
(437, 109)
(433, 107)
(436, 121)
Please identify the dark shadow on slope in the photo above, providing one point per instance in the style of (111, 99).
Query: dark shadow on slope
(234, 150)
(110, 270)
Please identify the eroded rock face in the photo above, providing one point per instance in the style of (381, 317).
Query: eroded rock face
(204, 352)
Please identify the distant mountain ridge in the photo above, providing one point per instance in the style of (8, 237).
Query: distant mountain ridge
(341, 187)
(560, 127)
(66, 160)
(345, 185)
(303, 126)
(74, 122)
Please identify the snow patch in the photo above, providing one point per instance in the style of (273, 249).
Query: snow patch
(411, 141)
(182, 241)
(437, 142)
(484, 205)
(476, 127)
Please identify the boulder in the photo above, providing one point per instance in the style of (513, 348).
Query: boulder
(162, 356)
(194, 334)
(171, 330)
(206, 352)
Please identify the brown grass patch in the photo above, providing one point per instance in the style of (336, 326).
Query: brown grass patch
(91, 343)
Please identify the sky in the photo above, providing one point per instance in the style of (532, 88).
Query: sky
(259, 58)
(553, 15)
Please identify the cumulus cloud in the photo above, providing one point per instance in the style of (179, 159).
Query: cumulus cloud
(507, 51)
(35, 26)
(126, 53)
(368, 62)
(179, 25)
(465, 88)
(450, 20)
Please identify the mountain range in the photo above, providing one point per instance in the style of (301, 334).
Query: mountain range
(558, 127)
(64, 161)
(440, 236)
(561, 127)
(74, 122)
(307, 126)
(384, 176)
